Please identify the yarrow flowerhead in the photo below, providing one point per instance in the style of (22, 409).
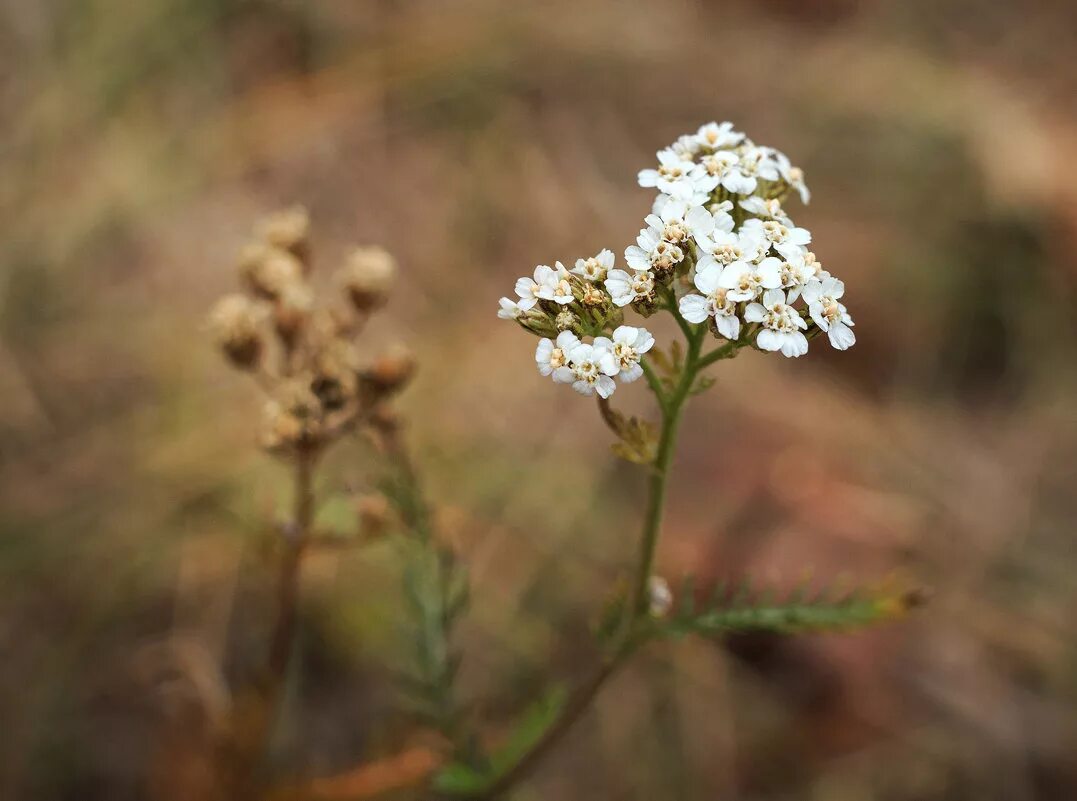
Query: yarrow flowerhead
(302, 347)
(719, 248)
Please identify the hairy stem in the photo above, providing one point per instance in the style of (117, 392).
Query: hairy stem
(656, 496)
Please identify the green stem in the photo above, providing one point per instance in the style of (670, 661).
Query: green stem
(672, 410)
(634, 632)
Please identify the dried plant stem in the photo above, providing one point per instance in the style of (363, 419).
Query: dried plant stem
(297, 536)
(253, 724)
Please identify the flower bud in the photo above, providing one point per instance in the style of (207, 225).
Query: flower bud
(538, 322)
(367, 277)
(288, 230)
(660, 597)
(566, 320)
(268, 271)
(236, 322)
(593, 296)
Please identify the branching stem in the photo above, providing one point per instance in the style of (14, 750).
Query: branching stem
(634, 630)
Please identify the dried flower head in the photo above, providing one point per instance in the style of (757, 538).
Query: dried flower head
(292, 311)
(237, 324)
(317, 390)
(268, 271)
(293, 418)
(390, 372)
(288, 230)
(367, 277)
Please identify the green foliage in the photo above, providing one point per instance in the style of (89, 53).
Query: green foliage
(464, 780)
(436, 596)
(742, 609)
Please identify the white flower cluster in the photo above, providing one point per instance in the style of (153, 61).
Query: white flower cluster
(591, 368)
(720, 210)
(719, 248)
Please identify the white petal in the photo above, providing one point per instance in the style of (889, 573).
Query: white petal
(767, 340)
(755, 313)
(841, 336)
(770, 273)
(693, 308)
(564, 375)
(728, 325)
(772, 297)
(566, 341)
(605, 386)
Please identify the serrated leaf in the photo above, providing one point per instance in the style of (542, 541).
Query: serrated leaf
(748, 611)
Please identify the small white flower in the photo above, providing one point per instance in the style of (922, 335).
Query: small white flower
(652, 251)
(510, 309)
(626, 288)
(675, 220)
(549, 355)
(767, 209)
(781, 325)
(795, 273)
(590, 370)
(675, 176)
(784, 237)
(714, 302)
(724, 168)
(627, 346)
(528, 288)
(722, 248)
(686, 147)
(829, 314)
(715, 136)
(794, 176)
(746, 281)
(756, 163)
(595, 268)
(555, 286)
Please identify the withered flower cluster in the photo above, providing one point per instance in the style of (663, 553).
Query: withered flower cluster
(303, 348)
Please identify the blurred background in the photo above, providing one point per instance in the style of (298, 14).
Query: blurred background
(139, 143)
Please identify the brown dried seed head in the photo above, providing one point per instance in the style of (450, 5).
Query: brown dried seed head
(293, 418)
(390, 371)
(236, 322)
(288, 230)
(367, 277)
(292, 311)
(335, 380)
(269, 271)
